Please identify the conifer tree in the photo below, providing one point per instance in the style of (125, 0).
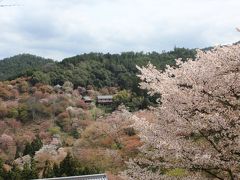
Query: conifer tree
(2, 171)
(56, 170)
(33, 147)
(15, 174)
(26, 172)
(68, 167)
(48, 170)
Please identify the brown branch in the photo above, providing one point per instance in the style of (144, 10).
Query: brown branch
(210, 141)
(213, 174)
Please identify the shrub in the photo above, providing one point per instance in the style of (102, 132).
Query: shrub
(177, 172)
(13, 113)
(54, 130)
(23, 87)
(24, 114)
(32, 147)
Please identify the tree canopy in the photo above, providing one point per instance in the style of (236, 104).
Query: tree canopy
(197, 129)
(15, 66)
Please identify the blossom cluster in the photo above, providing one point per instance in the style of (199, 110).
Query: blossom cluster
(198, 125)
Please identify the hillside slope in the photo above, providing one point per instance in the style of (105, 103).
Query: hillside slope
(20, 64)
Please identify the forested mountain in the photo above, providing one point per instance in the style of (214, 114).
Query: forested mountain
(114, 69)
(96, 69)
(15, 66)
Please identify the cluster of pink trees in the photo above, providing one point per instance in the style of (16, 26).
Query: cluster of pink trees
(198, 125)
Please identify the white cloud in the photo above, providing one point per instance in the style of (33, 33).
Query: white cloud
(61, 28)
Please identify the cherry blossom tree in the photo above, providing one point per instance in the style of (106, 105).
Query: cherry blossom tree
(8, 145)
(14, 124)
(198, 125)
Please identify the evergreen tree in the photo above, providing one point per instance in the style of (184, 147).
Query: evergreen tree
(26, 172)
(28, 149)
(18, 153)
(56, 170)
(48, 171)
(33, 147)
(34, 169)
(68, 167)
(36, 144)
(14, 174)
(29, 171)
(2, 171)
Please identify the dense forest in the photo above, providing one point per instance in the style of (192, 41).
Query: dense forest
(95, 69)
(15, 66)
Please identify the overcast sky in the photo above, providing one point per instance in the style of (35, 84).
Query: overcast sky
(63, 28)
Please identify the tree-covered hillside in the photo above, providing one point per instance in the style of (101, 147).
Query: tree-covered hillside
(100, 70)
(15, 66)
(95, 69)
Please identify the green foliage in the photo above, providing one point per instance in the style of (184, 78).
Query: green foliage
(48, 171)
(34, 169)
(56, 170)
(24, 113)
(2, 171)
(29, 172)
(32, 147)
(177, 172)
(55, 130)
(31, 109)
(96, 69)
(28, 149)
(117, 145)
(68, 86)
(102, 70)
(15, 174)
(40, 77)
(131, 100)
(15, 66)
(68, 167)
(23, 87)
(71, 167)
(96, 112)
(122, 97)
(74, 133)
(13, 113)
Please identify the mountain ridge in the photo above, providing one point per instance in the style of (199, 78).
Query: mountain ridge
(14, 66)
